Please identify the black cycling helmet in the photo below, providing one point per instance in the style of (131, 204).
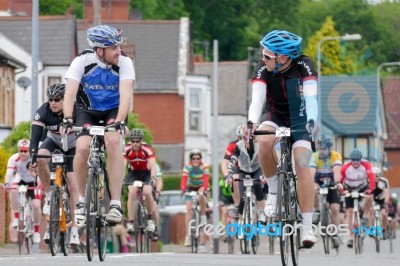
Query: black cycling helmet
(355, 155)
(325, 142)
(56, 90)
(136, 133)
(195, 152)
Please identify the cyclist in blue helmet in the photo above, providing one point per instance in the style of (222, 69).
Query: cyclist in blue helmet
(284, 93)
(100, 83)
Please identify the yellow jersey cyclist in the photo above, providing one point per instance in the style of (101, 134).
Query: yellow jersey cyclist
(326, 165)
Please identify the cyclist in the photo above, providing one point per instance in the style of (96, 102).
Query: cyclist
(246, 160)
(141, 162)
(393, 212)
(18, 174)
(381, 196)
(326, 165)
(234, 186)
(101, 83)
(284, 91)
(195, 178)
(356, 176)
(49, 116)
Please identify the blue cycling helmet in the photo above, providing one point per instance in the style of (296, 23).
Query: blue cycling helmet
(282, 42)
(103, 36)
(355, 154)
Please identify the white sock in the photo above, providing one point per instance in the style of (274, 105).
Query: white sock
(272, 184)
(307, 218)
(116, 203)
(81, 199)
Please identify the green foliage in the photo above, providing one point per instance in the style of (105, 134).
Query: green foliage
(172, 182)
(160, 9)
(21, 131)
(4, 156)
(57, 7)
(133, 122)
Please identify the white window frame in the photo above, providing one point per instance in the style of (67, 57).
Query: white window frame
(195, 110)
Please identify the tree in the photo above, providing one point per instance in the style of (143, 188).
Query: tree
(336, 57)
(59, 7)
(21, 131)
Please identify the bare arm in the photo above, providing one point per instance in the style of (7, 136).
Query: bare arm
(125, 97)
(337, 176)
(71, 90)
(224, 167)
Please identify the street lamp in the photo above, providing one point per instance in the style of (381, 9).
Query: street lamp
(346, 37)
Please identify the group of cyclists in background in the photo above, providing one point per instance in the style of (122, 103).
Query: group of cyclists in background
(284, 89)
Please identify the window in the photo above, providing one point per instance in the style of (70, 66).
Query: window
(195, 113)
(360, 143)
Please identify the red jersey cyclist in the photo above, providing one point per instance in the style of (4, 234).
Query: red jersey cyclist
(141, 162)
(357, 175)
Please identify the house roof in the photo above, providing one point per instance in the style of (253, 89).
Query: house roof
(7, 59)
(156, 51)
(232, 83)
(349, 104)
(56, 37)
(391, 96)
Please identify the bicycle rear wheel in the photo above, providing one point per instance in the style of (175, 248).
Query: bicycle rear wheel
(103, 232)
(194, 236)
(139, 228)
(54, 222)
(390, 235)
(377, 236)
(271, 237)
(255, 240)
(294, 218)
(91, 212)
(282, 215)
(246, 231)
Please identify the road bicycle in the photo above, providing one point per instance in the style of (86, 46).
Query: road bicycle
(287, 209)
(98, 196)
(271, 236)
(142, 236)
(358, 234)
(195, 228)
(60, 212)
(377, 226)
(249, 217)
(25, 220)
(326, 215)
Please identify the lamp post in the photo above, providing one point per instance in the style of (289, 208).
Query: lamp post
(346, 37)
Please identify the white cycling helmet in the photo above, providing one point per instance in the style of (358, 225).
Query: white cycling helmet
(394, 195)
(376, 170)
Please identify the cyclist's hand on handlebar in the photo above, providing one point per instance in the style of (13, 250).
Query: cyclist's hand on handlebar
(182, 193)
(315, 128)
(66, 126)
(120, 126)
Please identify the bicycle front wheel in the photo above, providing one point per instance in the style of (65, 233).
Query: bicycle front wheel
(282, 209)
(324, 224)
(104, 233)
(377, 236)
(91, 212)
(65, 220)
(54, 223)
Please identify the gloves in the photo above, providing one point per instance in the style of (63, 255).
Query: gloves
(120, 126)
(67, 123)
(312, 124)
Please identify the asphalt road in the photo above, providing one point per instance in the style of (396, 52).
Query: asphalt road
(178, 255)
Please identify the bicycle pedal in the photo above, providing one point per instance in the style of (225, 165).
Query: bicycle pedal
(306, 246)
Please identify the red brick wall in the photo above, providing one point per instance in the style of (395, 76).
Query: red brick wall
(118, 10)
(394, 173)
(163, 114)
(17, 6)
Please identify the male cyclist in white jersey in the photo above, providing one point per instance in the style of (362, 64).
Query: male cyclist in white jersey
(101, 83)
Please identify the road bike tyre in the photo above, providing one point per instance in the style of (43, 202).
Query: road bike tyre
(230, 239)
(104, 232)
(294, 238)
(255, 240)
(138, 228)
(28, 226)
(91, 208)
(21, 231)
(54, 220)
(66, 236)
(324, 223)
(271, 237)
(390, 236)
(194, 238)
(377, 236)
(246, 231)
(282, 212)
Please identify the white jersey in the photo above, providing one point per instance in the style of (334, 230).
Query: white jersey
(17, 171)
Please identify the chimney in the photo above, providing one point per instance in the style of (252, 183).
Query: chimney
(110, 10)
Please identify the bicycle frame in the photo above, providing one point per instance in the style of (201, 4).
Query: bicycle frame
(141, 220)
(358, 234)
(195, 230)
(377, 223)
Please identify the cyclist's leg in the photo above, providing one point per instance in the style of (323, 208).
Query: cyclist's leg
(305, 188)
(132, 192)
(14, 203)
(188, 217)
(384, 220)
(349, 202)
(149, 202)
(260, 196)
(116, 170)
(44, 171)
(36, 200)
(368, 201)
(334, 206)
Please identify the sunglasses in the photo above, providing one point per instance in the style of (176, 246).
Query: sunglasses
(355, 160)
(136, 141)
(196, 159)
(54, 100)
(267, 57)
(23, 151)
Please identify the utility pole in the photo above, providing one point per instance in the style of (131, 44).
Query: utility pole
(35, 56)
(96, 12)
